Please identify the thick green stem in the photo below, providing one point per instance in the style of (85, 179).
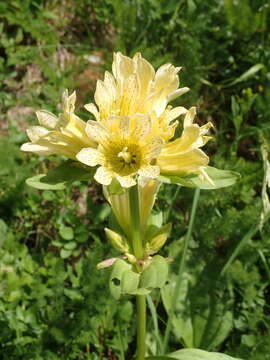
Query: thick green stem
(141, 326)
(135, 221)
(181, 269)
(137, 247)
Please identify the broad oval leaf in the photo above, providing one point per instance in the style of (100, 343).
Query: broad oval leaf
(197, 354)
(119, 267)
(155, 275)
(56, 178)
(160, 358)
(37, 183)
(129, 282)
(220, 178)
(69, 171)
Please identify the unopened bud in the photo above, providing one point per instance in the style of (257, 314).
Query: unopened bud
(118, 241)
(159, 239)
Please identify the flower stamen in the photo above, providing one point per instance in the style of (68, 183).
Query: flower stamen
(126, 156)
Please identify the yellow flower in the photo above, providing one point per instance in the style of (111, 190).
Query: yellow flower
(134, 125)
(121, 206)
(183, 156)
(135, 88)
(126, 147)
(64, 135)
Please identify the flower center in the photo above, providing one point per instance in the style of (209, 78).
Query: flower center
(123, 159)
(126, 155)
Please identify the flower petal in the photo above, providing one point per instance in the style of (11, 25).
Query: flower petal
(175, 113)
(110, 85)
(190, 115)
(103, 176)
(182, 163)
(92, 109)
(37, 148)
(102, 95)
(47, 119)
(153, 148)
(186, 142)
(126, 181)
(89, 156)
(145, 74)
(150, 171)
(36, 132)
(175, 94)
(68, 102)
(122, 66)
(95, 130)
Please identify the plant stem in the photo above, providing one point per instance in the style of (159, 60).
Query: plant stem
(138, 252)
(141, 326)
(153, 312)
(181, 269)
(135, 221)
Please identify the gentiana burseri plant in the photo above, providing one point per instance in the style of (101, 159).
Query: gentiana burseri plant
(130, 147)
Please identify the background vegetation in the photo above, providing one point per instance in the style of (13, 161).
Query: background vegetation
(54, 304)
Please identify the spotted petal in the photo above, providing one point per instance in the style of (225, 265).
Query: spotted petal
(126, 181)
(103, 176)
(89, 156)
(150, 171)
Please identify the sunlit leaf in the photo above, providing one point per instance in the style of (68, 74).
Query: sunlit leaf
(56, 179)
(220, 178)
(197, 354)
(37, 183)
(119, 267)
(247, 74)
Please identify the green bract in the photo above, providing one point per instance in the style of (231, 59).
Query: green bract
(125, 281)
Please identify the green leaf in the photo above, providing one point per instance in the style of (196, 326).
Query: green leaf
(56, 179)
(220, 178)
(197, 354)
(66, 232)
(37, 183)
(247, 74)
(155, 275)
(69, 171)
(64, 254)
(149, 278)
(119, 267)
(129, 282)
(70, 245)
(73, 294)
(160, 358)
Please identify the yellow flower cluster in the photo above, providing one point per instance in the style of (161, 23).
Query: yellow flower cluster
(131, 136)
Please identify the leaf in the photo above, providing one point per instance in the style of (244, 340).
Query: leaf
(70, 245)
(197, 354)
(129, 282)
(37, 183)
(66, 232)
(69, 171)
(73, 294)
(160, 358)
(155, 275)
(64, 254)
(247, 74)
(220, 178)
(56, 179)
(119, 267)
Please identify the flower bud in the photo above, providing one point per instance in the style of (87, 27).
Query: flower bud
(118, 241)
